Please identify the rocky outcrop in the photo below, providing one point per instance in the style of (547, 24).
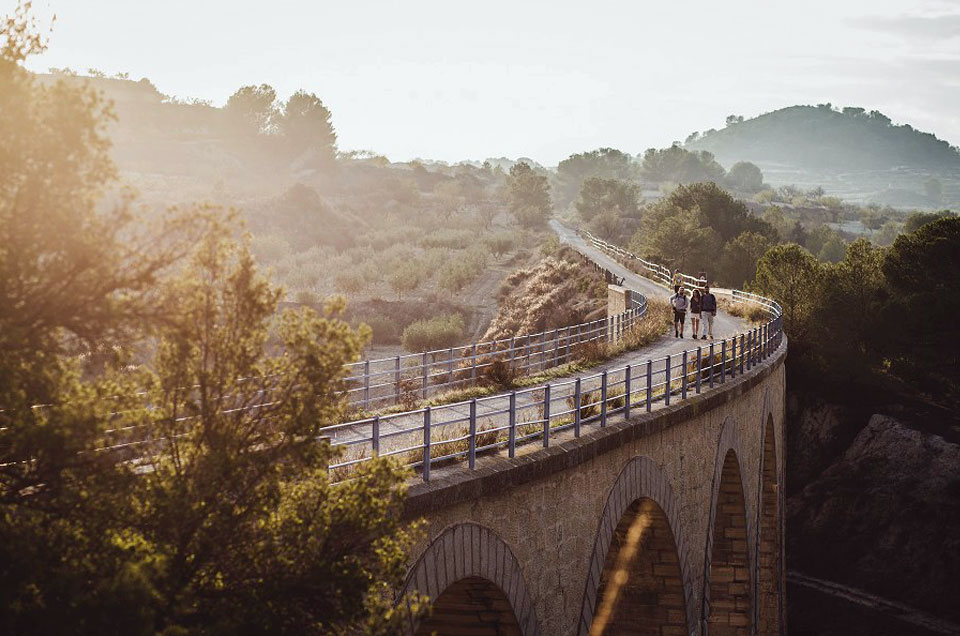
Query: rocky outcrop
(883, 515)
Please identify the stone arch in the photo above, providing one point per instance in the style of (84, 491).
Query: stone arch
(662, 562)
(471, 569)
(769, 545)
(728, 582)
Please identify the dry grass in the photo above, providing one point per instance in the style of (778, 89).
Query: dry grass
(749, 311)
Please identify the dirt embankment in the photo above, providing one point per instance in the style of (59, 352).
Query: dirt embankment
(874, 502)
(558, 291)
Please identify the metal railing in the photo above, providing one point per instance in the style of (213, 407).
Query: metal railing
(433, 437)
(387, 381)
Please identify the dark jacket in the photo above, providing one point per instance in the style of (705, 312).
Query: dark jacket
(708, 302)
(695, 304)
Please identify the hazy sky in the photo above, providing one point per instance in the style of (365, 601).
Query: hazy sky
(455, 80)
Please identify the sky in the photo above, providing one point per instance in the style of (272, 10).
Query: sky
(540, 79)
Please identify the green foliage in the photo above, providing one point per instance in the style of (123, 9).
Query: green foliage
(305, 125)
(689, 228)
(791, 275)
(529, 195)
(745, 177)
(833, 250)
(440, 332)
(739, 258)
(252, 110)
(677, 165)
(405, 278)
(226, 522)
(604, 163)
(916, 220)
(599, 195)
(922, 270)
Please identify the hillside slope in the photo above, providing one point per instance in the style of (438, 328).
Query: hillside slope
(820, 137)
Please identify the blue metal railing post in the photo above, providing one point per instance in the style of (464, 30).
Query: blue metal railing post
(426, 444)
(546, 415)
(683, 382)
(733, 357)
(713, 362)
(699, 366)
(666, 386)
(603, 399)
(628, 393)
(375, 436)
(512, 443)
(723, 361)
(472, 453)
(576, 408)
(649, 385)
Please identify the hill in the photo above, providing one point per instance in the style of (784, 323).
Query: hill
(821, 137)
(857, 154)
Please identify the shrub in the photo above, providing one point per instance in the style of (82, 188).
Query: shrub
(500, 243)
(499, 373)
(307, 297)
(434, 333)
(349, 282)
(446, 237)
(385, 329)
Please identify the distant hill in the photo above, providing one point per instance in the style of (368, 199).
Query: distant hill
(818, 138)
(852, 153)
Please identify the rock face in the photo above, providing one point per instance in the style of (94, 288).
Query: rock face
(884, 516)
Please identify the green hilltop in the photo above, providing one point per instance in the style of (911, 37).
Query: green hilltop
(818, 138)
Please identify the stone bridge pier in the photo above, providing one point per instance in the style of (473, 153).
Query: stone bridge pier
(669, 523)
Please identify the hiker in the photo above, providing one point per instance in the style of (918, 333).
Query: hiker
(677, 280)
(708, 309)
(695, 308)
(703, 280)
(679, 303)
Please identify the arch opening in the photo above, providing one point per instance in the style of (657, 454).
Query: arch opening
(641, 586)
(769, 545)
(729, 599)
(474, 606)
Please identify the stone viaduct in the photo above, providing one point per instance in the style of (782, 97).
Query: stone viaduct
(668, 523)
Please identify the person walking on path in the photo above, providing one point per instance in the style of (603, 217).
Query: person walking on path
(695, 308)
(677, 280)
(679, 303)
(708, 311)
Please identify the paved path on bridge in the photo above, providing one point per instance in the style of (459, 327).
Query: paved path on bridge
(405, 431)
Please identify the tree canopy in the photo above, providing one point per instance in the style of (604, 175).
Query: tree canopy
(678, 165)
(529, 195)
(605, 163)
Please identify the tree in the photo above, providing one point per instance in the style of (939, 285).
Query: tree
(677, 165)
(850, 308)
(237, 522)
(833, 250)
(439, 332)
(306, 126)
(599, 195)
(923, 274)
(605, 163)
(405, 279)
(738, 260)
(252, 110)
(791, 275)
(500, 243)
(916, 220)
(726, 215)
(681, 240)
(529, 195)
(745, 177)
(227, 524)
